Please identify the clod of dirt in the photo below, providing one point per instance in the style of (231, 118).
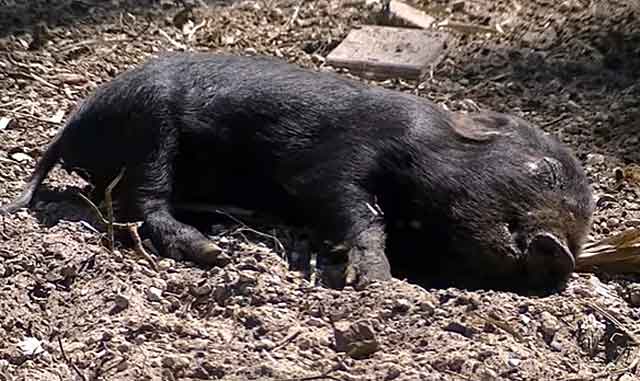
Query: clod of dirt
(548, 326)
(121, 302)
(402, 306)
(634, 294)
(458, 6)
(460, 328)
(357, 339)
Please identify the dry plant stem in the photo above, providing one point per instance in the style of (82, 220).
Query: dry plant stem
(109, 202)
(247, 228)
(503, 325)
(287, 339)
(625, 330)
(101, 216)
(69, 362)
(137, 242)
(173, 42)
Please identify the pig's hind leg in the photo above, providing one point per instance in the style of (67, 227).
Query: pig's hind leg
(151, 185)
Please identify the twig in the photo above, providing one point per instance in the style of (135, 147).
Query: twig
(469, 28)
(101, 216)
(294, 17)
(35, 78)
(554, 121)
(287, 340)
(173, 42)
(286, 26)
(613, 320)
(137, 244)
(609, 316)
(500, 324)
(25, 115)
(69, 362)
(196, 29)
(245, 227)
(109, 201)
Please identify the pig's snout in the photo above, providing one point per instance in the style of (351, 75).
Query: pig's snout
(548, 261)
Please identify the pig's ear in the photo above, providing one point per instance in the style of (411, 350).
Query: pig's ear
(479, 127)
(547, 169)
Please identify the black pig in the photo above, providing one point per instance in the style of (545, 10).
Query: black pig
(486, 192)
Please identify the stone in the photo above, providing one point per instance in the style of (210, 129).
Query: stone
(356, 339)
(549, 325)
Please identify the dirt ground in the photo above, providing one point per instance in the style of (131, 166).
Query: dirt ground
(71, 310)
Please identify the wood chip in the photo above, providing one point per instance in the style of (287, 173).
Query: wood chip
(58, 117)
(410, 15)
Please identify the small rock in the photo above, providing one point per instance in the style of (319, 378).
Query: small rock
(21, 157)
(264, 344)
(514, 362)
(203, 290)
(175, 362)
(31, 346)
(632, 223)
(487, 374)
(393, 372)
(634, 294)
(626, 377)
(123, 348)
(154, 294)
(618, 173)
(401, 306)
(458, 6)
(121, 301)
(357, 339)
(548, 326)
(5, 122)
(556, 346)
(166, 264)
(461, 329)
(427, 307)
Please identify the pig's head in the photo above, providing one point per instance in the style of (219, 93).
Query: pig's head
(509, 206)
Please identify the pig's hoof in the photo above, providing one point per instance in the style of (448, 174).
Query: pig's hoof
(207, 253)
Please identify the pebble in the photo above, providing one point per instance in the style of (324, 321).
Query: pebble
(402, 306)
(458, 6)
(264, 344)
(174, 362)
(357, 339)
(460, 328)
(166, 264)
(154, 294)
(21, 157)
(514, 362)
(121, 301)
(548, 326)
(393, 372)
(634, 294)
(203, 290)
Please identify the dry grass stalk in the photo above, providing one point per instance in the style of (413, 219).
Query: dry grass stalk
(616, 254)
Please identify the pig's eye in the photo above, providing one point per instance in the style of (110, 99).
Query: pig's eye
(547, 170)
